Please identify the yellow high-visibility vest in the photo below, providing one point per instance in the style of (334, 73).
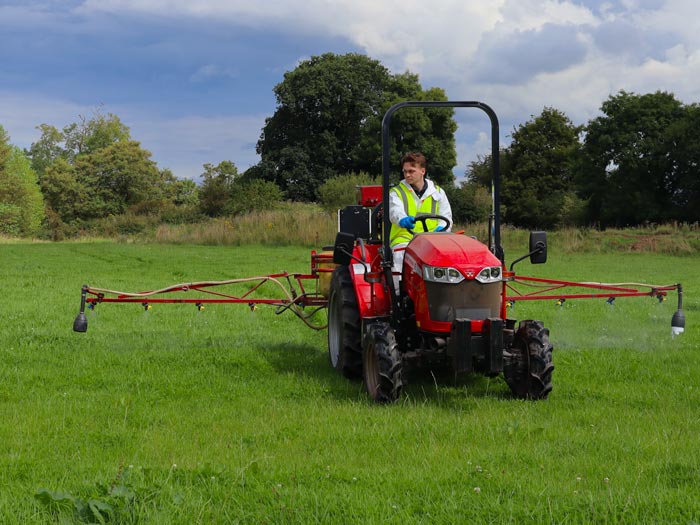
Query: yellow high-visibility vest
(429, 205)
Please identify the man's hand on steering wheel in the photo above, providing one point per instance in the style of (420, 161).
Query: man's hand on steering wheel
(425, 217)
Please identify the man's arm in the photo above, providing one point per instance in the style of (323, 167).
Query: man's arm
(396, 211)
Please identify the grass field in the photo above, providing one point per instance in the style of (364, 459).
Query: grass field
(234, 416)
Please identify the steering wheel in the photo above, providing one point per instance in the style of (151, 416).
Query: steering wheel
(425, 217)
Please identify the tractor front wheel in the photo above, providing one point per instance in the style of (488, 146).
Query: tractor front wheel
(344, 341)
(381, 364)
(527, 364)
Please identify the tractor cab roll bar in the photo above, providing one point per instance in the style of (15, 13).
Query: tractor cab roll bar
(494, 241)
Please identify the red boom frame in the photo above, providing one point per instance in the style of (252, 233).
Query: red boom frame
(306, 301)
(545, 286)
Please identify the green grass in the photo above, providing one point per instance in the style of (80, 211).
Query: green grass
(233, 416)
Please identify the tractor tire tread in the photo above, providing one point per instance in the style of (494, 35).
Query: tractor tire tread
(382, 365)
(528, 362)
(349, 359)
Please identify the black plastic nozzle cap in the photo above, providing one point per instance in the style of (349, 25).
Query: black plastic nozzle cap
(80, 324)
(678, 323)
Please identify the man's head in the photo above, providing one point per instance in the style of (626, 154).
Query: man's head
(413, 169)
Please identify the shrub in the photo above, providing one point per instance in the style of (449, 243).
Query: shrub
(180, 214)
(255, 195)
(341, 191)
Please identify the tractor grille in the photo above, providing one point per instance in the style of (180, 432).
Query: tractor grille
(466, 300)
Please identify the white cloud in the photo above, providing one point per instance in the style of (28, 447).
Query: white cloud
(522, 15)
(401, 33)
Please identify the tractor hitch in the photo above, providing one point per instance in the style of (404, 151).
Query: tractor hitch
(484, 349)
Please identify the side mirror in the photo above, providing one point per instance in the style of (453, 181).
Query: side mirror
(342, 249)
(538, 247)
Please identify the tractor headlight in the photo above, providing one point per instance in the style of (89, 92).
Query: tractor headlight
(439, 274)
(490, 274)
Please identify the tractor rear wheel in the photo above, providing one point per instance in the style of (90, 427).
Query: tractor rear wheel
(527, 364)
(344, 340)
(381, 364)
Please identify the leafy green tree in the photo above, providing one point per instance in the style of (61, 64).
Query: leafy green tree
(78, 138)
(475, 195)
(105, 182)
(5, 147)
(627, 160)
(538, 174)
(92, 169)
(470, 202)
(480, 171)
(183, 192)
(327, 123)
(216, 191)
(428, 130)
(682, 181)
(67, 197)
(99, 132)
(21, 202)
(118, 176)
(47, 149)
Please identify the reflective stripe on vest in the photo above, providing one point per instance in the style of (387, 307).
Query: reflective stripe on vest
(429, 205)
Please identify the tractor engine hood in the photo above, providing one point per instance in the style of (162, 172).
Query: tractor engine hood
(461, 252)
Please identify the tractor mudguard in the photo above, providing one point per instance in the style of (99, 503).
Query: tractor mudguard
(372, 294)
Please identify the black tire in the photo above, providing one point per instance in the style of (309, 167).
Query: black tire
(382, 368)
(344, 335)
(527, 364)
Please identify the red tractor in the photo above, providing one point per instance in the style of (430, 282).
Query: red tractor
(450, 306)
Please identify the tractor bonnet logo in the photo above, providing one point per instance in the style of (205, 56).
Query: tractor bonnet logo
(470, 274)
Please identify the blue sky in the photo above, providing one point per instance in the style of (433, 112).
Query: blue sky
(194, 79)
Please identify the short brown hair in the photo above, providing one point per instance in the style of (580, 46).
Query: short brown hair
(414, 157)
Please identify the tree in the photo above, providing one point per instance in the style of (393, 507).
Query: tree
(47, 149)
(470, 202)
(216, 191)
(5, 148)
(92, 169)
(66, 197)
(183, 192)
(79, 138)
(21, 202)
(327, 123)
(118, 176)
(627, 165)
(480, 171)
(539, 169)
(105, 182)
(682, 181)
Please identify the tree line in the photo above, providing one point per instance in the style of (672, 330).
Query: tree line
(636, 163)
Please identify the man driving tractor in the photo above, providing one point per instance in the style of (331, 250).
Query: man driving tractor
(414, 195)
